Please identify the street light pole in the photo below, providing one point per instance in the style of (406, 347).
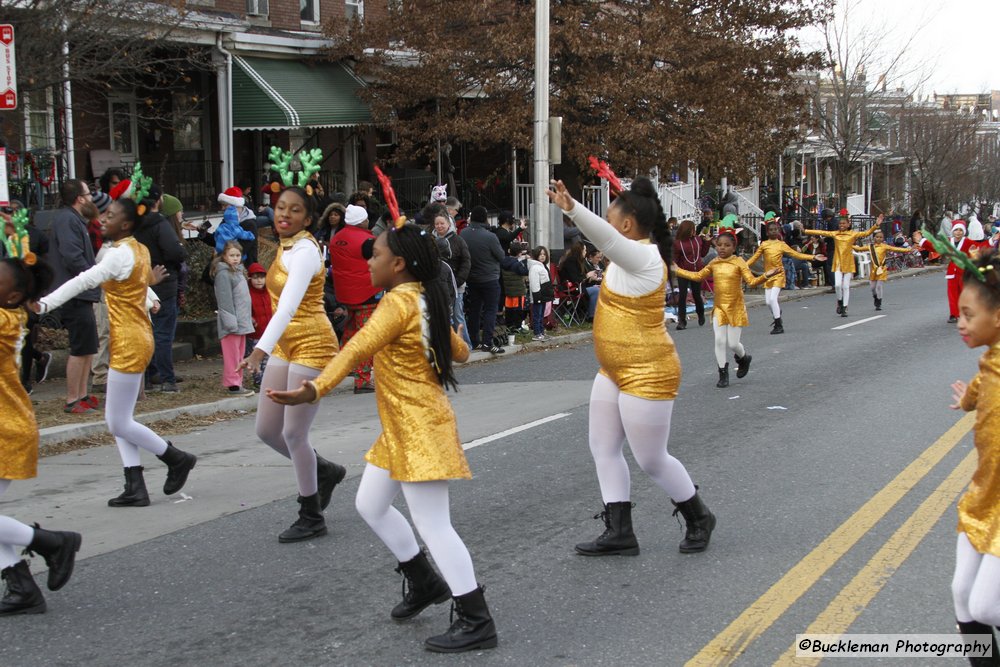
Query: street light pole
(540, 228)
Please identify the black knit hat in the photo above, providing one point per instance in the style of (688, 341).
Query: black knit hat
(478, 214)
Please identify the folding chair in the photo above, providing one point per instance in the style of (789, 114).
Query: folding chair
(568, 306)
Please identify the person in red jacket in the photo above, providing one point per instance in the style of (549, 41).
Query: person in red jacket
(953, 274)
(352, 284)
(261, 311)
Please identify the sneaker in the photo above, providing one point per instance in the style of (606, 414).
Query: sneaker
(152, 388)
(42, 367)
(169, 387)
(495, 349)
(77, 408)
(238, 391)
(92, 401)
(540, 337)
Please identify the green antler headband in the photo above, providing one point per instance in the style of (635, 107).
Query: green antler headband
(18, 242)
(944, 247)
(306, 164)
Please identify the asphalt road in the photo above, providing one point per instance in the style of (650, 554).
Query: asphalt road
(832, 517)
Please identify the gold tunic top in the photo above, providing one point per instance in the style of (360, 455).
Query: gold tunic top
(632, 345)
(979, 507)
(843, 246)
(131, 341)
(879, 272)
(728, 275)
(18, 430)
(419, 440)
(308, 340)
(773, 250)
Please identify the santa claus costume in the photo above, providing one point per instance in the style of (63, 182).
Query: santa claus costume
(953, 274)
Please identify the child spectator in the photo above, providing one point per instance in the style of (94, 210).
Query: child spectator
(513, 270)
(234, 315)
(260, 312)
(230, 230)
(541, 289)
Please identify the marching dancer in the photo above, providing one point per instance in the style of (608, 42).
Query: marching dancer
(976, 581)
(773, 249)
(418, 451)
(300, 340)
(633, 394)
(23, 278)
(877, 250)
(843, 256)
(124, 273)
(729, 314)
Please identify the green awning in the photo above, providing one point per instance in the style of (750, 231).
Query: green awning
(283, 94)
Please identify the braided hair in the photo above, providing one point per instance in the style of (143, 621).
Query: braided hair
(985, 277)
(643, 204)
(31, 280)
(417, 248)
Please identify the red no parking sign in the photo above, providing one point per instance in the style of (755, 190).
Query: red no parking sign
(8, 71)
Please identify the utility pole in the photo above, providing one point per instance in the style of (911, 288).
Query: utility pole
(541, 226)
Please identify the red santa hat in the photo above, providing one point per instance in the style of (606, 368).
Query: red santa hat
(123, 189)
(232, 196)
(959, 223)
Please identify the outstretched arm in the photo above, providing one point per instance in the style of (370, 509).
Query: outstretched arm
(818, 232)
(793, 253)
(693, 276)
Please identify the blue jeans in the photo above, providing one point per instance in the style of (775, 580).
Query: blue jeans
(164, 328)
(593, 291)
(458, 316)
(538, 317)
(483, 298)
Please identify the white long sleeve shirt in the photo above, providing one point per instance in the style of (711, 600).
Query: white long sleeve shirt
(636, 267)
(302, 261)
(116, 263)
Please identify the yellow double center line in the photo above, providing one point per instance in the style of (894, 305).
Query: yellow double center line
(729, 644)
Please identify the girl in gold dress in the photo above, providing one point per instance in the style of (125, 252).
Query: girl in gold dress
(300, 340)
(640, 372)
(418, 451)
(22, 280)
(729, 313)
(773, 250)
(124, 273)
(843, 256)
(878, 251)
(975, 586)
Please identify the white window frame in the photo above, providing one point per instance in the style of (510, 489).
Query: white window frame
(358, 9)
(134, 126)
(315, 18)
(50, 119)
(258, 8)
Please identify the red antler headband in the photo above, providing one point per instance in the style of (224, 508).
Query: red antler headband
(390, 198)
(604, 171)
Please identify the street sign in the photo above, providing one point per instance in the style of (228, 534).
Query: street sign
(8, 70)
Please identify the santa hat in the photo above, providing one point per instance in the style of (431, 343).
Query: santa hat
(355, 215)
(844, 213)
(123, 189)
(232, 196)
(959, 223)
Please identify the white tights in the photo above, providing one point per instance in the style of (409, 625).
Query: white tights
(975, 588)
(877, 286)
(428, 503)
(119, 409)
(13, 534)
(615, 417)
(842, 283)
(771, 299)
(285, 429)
(727, 339)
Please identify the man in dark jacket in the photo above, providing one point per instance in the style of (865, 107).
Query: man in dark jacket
(70, 254)
(165, 248)
(483, 285)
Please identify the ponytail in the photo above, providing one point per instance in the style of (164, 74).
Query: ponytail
(643, 203)
(31, 280)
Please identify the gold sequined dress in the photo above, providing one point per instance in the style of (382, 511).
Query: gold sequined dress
(728, 276)
(878, 270)
(773, 250)
(843, 246)
(131, 342)
(419, 440)
(309, 339)
(632, 345)
(979, 507)
(18, 429)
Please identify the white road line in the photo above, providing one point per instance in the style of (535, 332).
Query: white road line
(512, 431)
(854, 324)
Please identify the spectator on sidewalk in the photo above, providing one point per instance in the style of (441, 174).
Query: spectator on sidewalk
(261, 310)
(234, 315)
(483, 285)
(165, 249)
(542, 292)
(70, 254)
(460, 262)
(99, 366)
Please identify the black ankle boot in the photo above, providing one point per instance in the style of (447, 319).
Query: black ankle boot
(840, 306)
(179, 464)
(22, 595)
(471, 628)
(700, 523)
(682, 323)
(617, 538)
(743, 364)
(843, 311)
(426, 588)
(723, 377)
(701, 319)
(328, 476)
(977, 628)
(58, 548)
(135, 494)
(878, 303)
(778, 327)
(310, 522)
